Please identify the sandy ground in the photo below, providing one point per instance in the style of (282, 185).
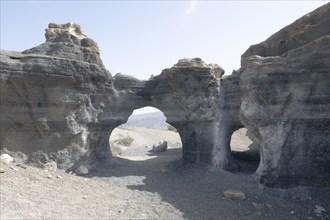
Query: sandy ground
(140, 185)
(140, 137)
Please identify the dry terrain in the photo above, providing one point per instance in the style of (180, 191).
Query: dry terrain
(138, 184)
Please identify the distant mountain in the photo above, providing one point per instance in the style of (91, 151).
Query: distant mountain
(155, 120)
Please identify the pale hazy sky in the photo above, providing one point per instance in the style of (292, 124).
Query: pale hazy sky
(141, 38)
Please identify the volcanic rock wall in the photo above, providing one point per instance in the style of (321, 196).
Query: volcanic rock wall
(285, 94)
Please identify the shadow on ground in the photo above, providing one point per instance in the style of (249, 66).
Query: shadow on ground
(197, 189)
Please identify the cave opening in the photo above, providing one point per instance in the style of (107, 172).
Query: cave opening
(245, 152)
(146, 135)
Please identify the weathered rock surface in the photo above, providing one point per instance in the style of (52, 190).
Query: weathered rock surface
(68, 41)
(188, 96)
(59, 103)
(285, 93)
(51, 96)
(229, 121)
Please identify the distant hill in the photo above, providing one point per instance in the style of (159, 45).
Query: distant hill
(154, 120)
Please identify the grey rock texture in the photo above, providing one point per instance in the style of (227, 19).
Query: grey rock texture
(188, 94)
(229, 121)
(285, 94)
(51, 96)
(69, 42)
(59, 103)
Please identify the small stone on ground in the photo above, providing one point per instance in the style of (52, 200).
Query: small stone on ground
(234, 194)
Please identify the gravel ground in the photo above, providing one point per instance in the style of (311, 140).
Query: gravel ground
(141, 185)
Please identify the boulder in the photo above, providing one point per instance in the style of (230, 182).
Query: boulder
(159, 146)
(234, 194)
(81, 170)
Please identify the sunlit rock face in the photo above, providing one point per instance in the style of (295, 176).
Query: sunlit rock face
(68, 41)
(285, 94)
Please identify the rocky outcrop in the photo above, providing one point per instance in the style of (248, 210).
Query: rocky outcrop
(68, 41)
(51, 96)
(285, 93)
(59, 103)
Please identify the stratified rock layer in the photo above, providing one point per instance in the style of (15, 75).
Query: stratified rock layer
(51, 96)
(285, 93)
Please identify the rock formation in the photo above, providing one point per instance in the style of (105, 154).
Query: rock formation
(187, 94)
(285, 93)
(228, 110)
(59, 103)
(51, 96)
(69, 42)
(159, 146)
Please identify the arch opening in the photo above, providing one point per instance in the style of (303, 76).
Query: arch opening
(138, 138)
(246, 153)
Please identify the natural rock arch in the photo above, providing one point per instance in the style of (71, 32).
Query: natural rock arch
(59, 103)
(187, 95)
